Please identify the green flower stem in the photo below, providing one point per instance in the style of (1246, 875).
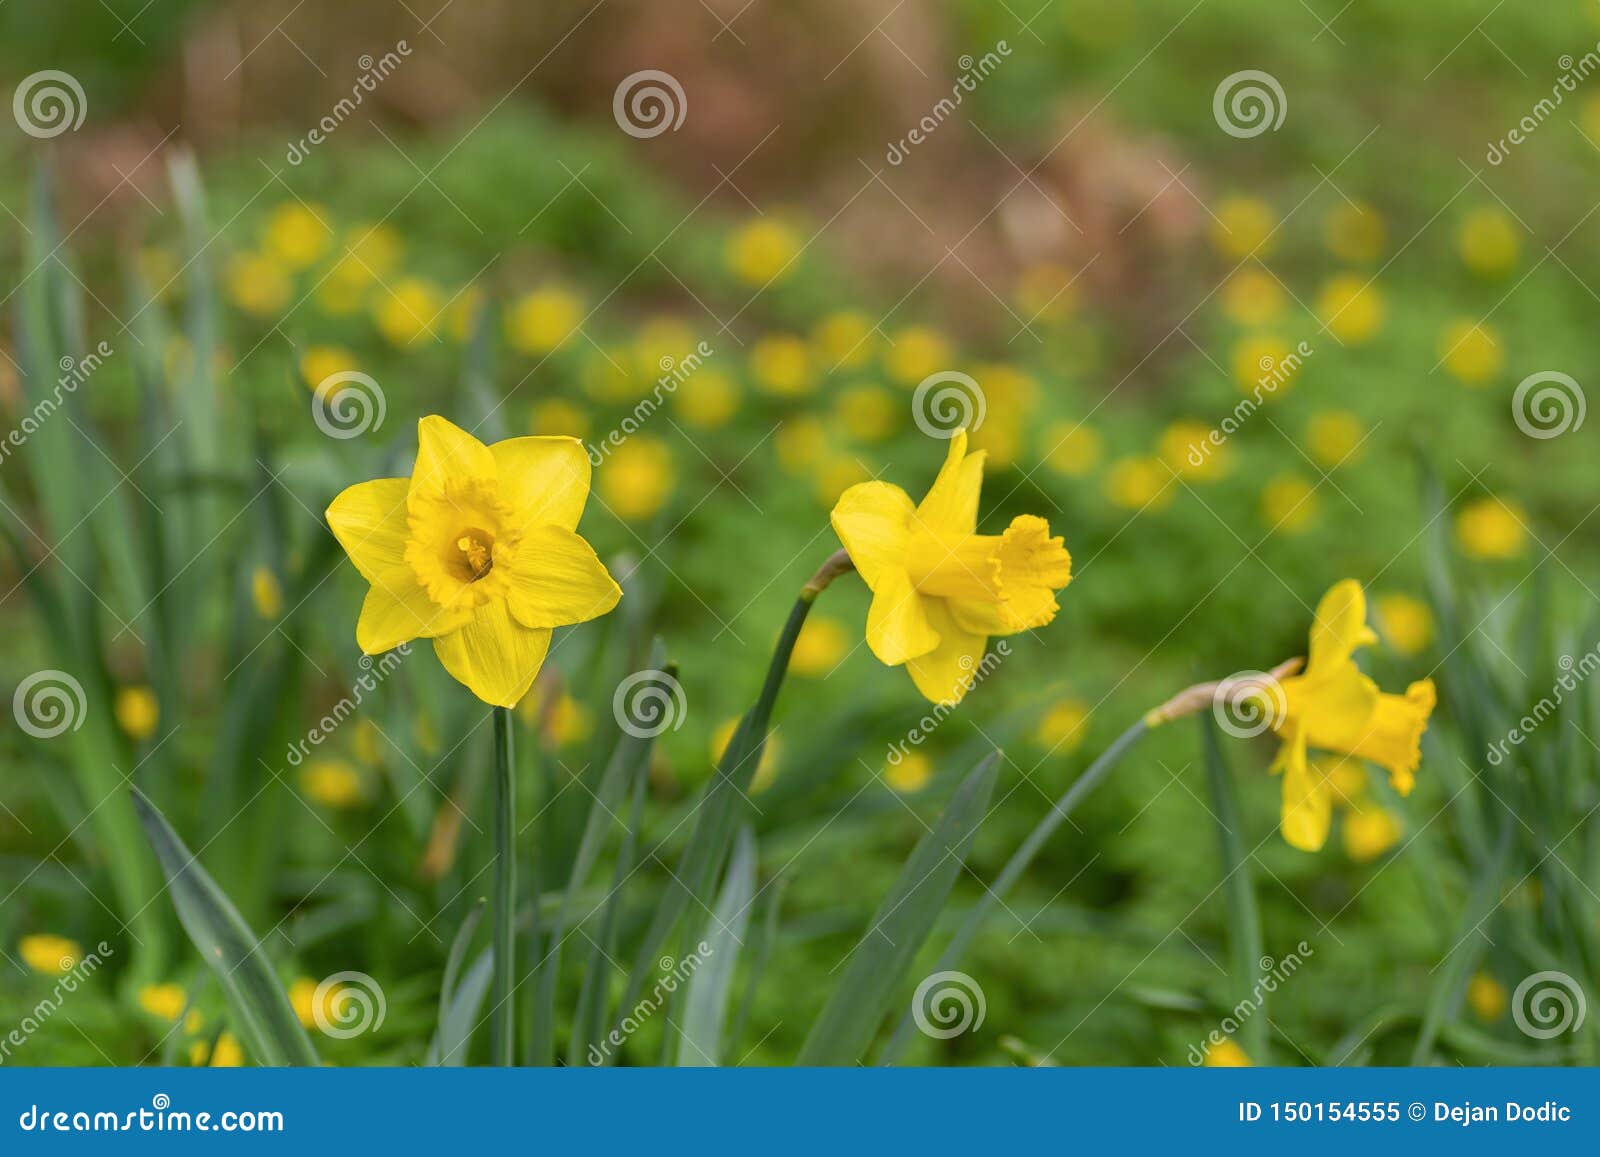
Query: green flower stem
(502, 1018)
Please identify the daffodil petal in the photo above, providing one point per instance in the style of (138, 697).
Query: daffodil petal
(1307, 801)
(950, 508)
(557, 580)
(445, 450)
(496, 657)
(544, 479)
(1393, 736)
(369, 520)
(1340, 625)
(946, 673)
(391, 615)
(897, 624)
(871, 519)
(1333, 706)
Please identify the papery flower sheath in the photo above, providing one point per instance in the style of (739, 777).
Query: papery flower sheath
(478, 550)
(939, 589)
(1332, 707)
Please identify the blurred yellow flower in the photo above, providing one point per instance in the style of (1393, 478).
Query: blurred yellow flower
(781, 365)
(763, 251)
(559, 416)
(868, 413)
(659, 344)
(478, 550)
(1263, 363)
(1487, 997)
(1346, 776)
(567, 722)
(1226, 1054)
(766, 769)
(1139, 484)
(539, 322)
(266, 593)
(915, 352)
(1354, 232)
(311, 1013)
(1243, 227)
(1491, 529)
(138, 712)
(938, 588)
(332, 783)
(1471, 352)
(1061, 728)
(800, 443)
(844, 340)
(1288, 504)
(707, 399)
(374, 247)
(1045, 292)
(164, 1001)
(823, 642)
(1369, 831)
(835, 474)
(1252, 297)
(1333, 437)
(911, 774)
(1332, 707)
(1072, 449)
(321, 362)
(258, 284)
(229, 1054)
(297, 234)
(1488, 241)
(1405, 623)
(408, 312)
(1187, 449)
(638, 478)
(1010, 397)
(1351, 307)
(51, 955)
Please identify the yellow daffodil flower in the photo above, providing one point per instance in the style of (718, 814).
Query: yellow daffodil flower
(49, 954)
(478, 550)
(163, 1001)
(331, 782)
(1487, 997)
(1332, 707)
(938, 588)
(911, 774)
(1493, 529)
(1334, 437)
(138, 712)
(1072, 449)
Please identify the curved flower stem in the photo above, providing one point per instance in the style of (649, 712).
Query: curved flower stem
(502, 1023)
(838, 563)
